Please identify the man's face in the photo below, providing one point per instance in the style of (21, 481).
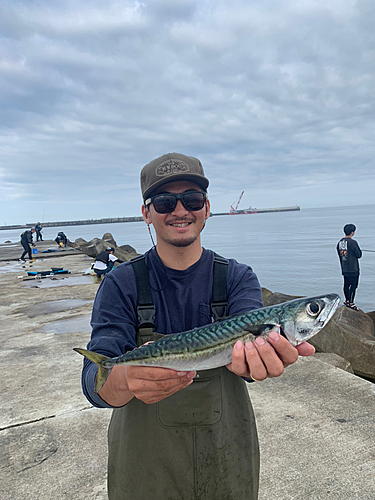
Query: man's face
(179, 228)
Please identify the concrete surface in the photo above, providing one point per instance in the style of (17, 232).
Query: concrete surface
(13, 251)
(316, 422)
(316, 431)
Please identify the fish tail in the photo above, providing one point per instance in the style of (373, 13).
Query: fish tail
(98, 359)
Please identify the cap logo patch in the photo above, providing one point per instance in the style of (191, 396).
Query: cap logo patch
(171, 166)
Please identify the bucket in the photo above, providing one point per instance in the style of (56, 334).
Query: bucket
(35, 250)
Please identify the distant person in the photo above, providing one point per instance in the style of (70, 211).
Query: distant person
(61, 239)
(38, 229)
(349, 252)
(104, 262)
(26, 241)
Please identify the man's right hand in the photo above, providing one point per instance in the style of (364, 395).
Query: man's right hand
(145, 383)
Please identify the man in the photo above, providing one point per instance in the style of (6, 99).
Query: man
(61, 239)
(26, 241)
(349, 252)
(180, 435)
(38, 229)
(104, 262)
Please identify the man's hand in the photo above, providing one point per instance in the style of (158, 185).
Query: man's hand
(151, 385)
(263, 359)
(147, 384)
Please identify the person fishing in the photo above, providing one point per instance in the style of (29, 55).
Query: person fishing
(349, 253)
(61, 239)
(26, 241)
(38, 229)
(104, 262)
(179, 434)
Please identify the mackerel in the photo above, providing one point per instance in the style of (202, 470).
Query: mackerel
(211, 346)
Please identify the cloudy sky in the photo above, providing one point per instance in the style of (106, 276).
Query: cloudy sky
(275, 97)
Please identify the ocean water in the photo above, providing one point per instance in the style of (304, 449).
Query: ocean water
(291, 252)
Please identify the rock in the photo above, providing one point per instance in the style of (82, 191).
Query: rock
(271, 299)
(93, 247)
(129, 249)
(265, 294)
(8, 241)
(371, 315)
(334, 360)
(80, 241)
(109, 239)
(349, 334)
(124, 254)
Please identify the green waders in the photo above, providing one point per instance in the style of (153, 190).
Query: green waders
(200, 443)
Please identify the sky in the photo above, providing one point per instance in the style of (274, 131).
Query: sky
(276, 98)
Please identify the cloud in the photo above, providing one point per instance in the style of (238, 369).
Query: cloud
(273, 97)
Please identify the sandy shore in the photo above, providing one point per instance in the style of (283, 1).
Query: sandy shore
(315, 423)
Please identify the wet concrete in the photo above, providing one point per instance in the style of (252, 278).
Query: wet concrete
(76, 324)
(60, 281)
(9, 267)
(48, 431)
(13, 251)
(53, 307)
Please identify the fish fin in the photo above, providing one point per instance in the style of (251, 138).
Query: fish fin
(98, 359)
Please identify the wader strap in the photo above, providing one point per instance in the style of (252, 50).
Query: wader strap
(145, 307)
(219, 288)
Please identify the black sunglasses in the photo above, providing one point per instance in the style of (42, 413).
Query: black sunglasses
(165, 203)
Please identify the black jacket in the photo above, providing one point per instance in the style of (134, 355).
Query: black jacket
(103, 257)
(27, 237)
(349, 252)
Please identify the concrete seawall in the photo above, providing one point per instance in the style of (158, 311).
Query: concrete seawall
(315, 422)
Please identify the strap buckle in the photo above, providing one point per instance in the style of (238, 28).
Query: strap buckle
(146, 315)
(219, 310)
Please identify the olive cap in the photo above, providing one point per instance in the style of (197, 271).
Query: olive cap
(171, 167)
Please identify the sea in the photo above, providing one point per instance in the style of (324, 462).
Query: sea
(291, 252)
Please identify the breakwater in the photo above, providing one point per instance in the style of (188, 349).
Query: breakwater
(85, 222)
(111, 220)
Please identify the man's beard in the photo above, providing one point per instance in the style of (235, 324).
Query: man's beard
(181, 243)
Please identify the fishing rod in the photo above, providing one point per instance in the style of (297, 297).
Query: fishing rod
(368, 250)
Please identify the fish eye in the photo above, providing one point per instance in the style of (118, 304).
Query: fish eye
(313, 308)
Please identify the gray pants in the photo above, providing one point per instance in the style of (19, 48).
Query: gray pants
(199, 444)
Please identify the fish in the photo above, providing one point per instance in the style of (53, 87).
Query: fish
(211, 346)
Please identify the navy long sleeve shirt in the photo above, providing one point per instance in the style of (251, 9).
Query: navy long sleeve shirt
(181, 298)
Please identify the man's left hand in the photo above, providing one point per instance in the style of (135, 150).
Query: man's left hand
(261, 359)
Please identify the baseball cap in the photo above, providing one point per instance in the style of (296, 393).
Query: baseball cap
(171, 167)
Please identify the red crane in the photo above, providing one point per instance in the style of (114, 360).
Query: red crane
(237, 202)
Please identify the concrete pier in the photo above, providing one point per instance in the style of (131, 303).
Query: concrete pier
(315, 422)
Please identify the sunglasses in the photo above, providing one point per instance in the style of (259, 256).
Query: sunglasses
(165, 203)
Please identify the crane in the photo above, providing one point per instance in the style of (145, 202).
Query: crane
(237, 202)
